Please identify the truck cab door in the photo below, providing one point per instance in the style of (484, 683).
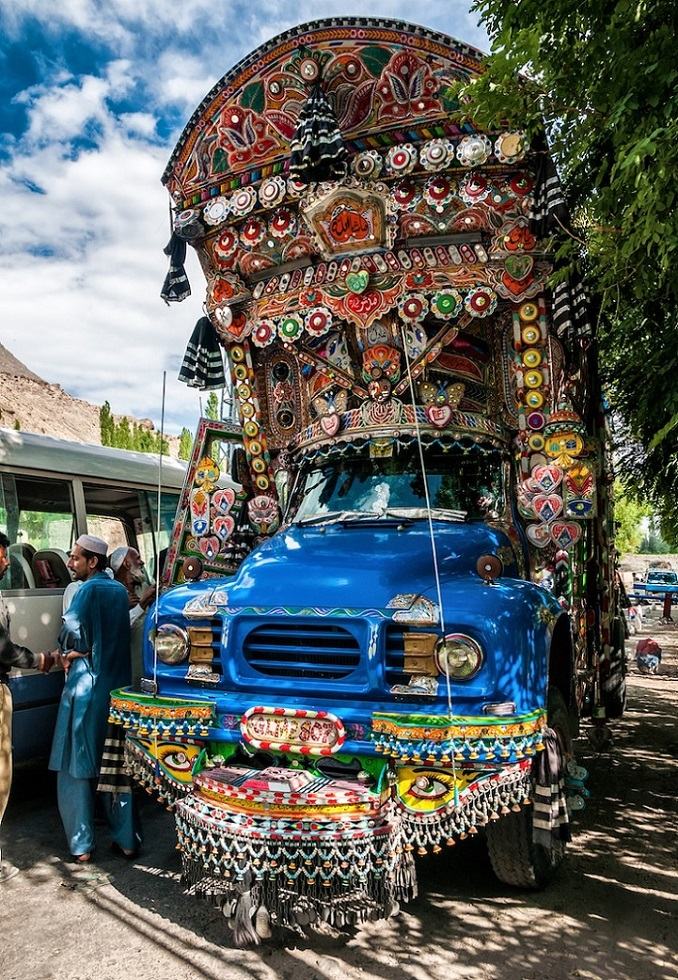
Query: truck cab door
(217, 521)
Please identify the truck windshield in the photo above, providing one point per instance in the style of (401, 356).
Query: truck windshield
(462, 485)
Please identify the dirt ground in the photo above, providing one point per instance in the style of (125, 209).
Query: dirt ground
(611, 913)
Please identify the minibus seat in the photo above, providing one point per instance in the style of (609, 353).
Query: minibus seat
(49, 567)
(20, 565)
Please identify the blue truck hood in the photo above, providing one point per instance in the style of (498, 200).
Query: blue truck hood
(359, 565)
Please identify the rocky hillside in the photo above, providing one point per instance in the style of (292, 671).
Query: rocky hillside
(29, 403)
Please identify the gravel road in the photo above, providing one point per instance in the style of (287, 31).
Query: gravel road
(611, 913)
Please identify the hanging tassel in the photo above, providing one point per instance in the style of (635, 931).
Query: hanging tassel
(176, 286)
(318, 151)
(244, 932)
(203, 364)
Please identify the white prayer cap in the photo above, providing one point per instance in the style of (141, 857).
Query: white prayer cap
(88, 542)
(117, 557)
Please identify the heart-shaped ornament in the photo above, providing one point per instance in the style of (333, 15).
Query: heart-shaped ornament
(357, 282)
(538, 535)
(565, 534)
(438, 415)
(209, 547)
(547, 478)
(223, 527)
(518, 266)
(330, 424)
(223, 500)
(547, 506)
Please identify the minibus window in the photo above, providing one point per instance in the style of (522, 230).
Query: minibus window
(37, 516)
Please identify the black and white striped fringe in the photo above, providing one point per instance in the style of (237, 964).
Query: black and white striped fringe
(113, 775)
(176, 286)
(203, 363)
(571, 311)
(550, 819)
(318, 151)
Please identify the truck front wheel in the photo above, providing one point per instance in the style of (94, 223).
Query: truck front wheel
(515, 858)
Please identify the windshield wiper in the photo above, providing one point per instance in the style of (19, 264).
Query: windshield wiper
(407, 514)
(331, 517)
(421, 513)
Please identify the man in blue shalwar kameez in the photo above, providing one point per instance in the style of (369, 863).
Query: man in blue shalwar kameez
(95, 644)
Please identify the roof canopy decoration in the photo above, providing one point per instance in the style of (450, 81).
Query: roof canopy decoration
(377, 76)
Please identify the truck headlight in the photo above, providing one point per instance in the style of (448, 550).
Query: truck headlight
(171, 644)
(459, 656)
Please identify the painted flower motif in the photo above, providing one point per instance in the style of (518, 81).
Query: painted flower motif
(401, 159)
(318, 321)
(295, 187)
(272, 191)
(446, 304)
(282, 223)
(252, 232)
(439, 191)
(418, 280)
(519, 239)
(474, 151)
(225, 245)
(406, 195)
(187, 224)
(481, 301)
(436, 154)
(290, 327)
(243, 201)
(283, 391)
(367, 165)
(510, 147)
(473, 188)
(521, 184)
(413, 308)
(263, 333)
(216, 211)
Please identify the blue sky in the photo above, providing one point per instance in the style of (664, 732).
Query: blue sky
(93, 95)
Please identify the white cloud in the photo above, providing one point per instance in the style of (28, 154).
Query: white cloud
(90, 316)
(82, 229)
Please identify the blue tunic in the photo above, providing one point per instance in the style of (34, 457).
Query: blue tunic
(97, 622)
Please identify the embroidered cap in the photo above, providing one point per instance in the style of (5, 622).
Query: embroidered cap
(88, 542)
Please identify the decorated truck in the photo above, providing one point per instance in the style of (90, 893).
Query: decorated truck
(389, 595)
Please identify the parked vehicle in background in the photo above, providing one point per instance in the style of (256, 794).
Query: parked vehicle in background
(51, 491)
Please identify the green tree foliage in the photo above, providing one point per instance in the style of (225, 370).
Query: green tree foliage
(185, 443)
(212, 408)
(123, 435)
(106, 424)
(631, 519)
(601, 76)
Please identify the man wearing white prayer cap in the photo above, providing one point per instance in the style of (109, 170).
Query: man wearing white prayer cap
(95, 640)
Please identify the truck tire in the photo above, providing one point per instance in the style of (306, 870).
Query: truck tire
(515, 858)
(614, 685)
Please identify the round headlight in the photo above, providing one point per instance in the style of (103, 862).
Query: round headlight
(171, 644)
(459, 656)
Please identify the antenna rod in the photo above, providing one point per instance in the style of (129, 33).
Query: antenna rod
(158, 570)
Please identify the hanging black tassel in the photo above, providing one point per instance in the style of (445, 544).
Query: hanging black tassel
(176, 286)
(571, 312)
(203, 364)
(318, 151)
(549, 214)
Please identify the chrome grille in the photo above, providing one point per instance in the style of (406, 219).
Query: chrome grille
(305, 650)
